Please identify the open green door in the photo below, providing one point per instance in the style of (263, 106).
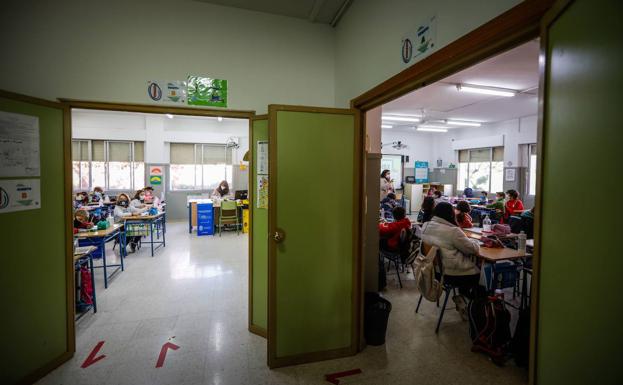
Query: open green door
(579, 334)
(258, 236)
(314, 227)
(35, 238)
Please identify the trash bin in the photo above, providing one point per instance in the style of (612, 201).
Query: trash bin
(376, 315)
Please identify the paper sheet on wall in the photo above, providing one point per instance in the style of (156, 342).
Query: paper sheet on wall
(19, 195)
(19, 145)
(262, 157)
(262, 191)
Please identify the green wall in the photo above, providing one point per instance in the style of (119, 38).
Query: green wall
(32, 276)
(313, 265)
(580, 337)
(260, 236)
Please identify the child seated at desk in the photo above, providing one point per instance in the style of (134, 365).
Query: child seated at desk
(426, 212)
(498, 205)
(138, 202)
(149, 195)
(81, 220)
(123, 209)
(483, 198)
(98, 195)
(81, 199)
(388, 204)
(514, 206)
(390, 232)
(463, 219)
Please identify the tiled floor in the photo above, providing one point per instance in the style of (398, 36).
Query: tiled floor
(193, 293)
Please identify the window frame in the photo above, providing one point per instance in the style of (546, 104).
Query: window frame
(198, 156)
(531, 173)
(469, 162)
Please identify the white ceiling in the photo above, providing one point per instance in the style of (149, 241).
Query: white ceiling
(316, 11)
(517, 69)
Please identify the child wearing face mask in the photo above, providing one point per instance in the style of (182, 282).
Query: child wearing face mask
(98, 195)
(138, 202)
(81, 199)
(124, 209)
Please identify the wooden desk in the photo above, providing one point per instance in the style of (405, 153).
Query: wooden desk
(99, 239)
(492, 255)
(157, 221)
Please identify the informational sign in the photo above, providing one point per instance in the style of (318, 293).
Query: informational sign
(205, 219)
(421, 172)
(419, 40)
(509, 175)
(262, 191)
(19, 195)
(207, 91)
(167, 91)
(155, 175)
(19, 145)
(262, 157)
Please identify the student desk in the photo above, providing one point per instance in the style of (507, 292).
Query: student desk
(100, 238)
(84, 256)
(158, 222)
(216, 209)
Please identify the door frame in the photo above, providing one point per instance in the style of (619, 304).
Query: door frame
(357, 294)
(253, 328)
(512, 28)
(68, 225)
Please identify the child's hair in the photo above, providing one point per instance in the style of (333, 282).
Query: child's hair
(81, 215)
(463, 208)
(444, 210)
(138, 194)
(98, 189)
(391, 196)
(500, 194)
(514, 194)
(398, 213)
(484, 193)
(428, 204)
(437, 193)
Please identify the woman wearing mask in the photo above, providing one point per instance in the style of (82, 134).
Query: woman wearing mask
(123, 209)
(456, 251)
(222, 190)
(387, 185)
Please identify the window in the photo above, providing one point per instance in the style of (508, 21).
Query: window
(532, 169)
(112, 165)
(481, 169)
(200, 166)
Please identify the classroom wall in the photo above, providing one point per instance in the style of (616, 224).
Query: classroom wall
(108, 50)
(368, 38)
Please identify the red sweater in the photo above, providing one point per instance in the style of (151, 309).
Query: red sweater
(392, 230)
(512, 207)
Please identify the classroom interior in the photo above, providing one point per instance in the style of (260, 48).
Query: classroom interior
(158, 252)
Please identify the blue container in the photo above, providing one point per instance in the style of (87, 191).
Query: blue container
(205, 219)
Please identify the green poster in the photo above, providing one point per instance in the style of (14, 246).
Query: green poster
(207, 91)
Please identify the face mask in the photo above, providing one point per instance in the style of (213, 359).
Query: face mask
(123, 203)
(78, 197)
(98, 194)
(141, 197)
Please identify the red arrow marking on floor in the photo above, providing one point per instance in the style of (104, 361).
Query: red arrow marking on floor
(91, 359)
(163, 353)
(333, 378)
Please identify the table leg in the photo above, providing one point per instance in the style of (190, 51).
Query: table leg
(164, 230)
(190, 219)
(121, 237)
(151, 233)
(103, 246)
(93, 283)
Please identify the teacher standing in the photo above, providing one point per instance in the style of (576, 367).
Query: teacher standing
(387, 185)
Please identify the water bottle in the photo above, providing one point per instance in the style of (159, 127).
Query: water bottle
(486, 224)
(521, 242)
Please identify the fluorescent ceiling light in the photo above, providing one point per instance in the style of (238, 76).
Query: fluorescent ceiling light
(386, 126)
(401, 118)
(485, 90)
(169, 116)
(430, 128)
(463, 123)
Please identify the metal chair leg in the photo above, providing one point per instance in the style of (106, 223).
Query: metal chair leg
(443, 309)
(418, 303)
(398, 273)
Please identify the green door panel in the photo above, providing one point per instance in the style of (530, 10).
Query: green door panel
(313, 265)
(579, 332)
(259, 305)
(33, 274)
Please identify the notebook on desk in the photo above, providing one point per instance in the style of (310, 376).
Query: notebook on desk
(82, 250)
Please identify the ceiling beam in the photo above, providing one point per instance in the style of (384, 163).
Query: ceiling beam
(340, 13)
(315, 10)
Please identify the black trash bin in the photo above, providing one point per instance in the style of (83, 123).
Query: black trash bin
(376, 315)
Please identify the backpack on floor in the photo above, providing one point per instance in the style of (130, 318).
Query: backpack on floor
(489, 327)
(520, 345)
(426, 281)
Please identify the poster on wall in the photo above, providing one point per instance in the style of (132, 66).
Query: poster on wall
(155, 175)
(19, 195)
(262, 191)
(510, 175)
(421, 172)
(419, 40)
(19, 145)
(167, 91)
(206, 91)
(262, 157)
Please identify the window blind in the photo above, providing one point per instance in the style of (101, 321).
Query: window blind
(480, 155)
(97, 147)
(119, 152)
(182, 153)
(80, 150)
(463, 156)
(216, 154)
(498, 154)
(139, 151)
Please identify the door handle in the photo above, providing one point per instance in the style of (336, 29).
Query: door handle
(279, 236)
